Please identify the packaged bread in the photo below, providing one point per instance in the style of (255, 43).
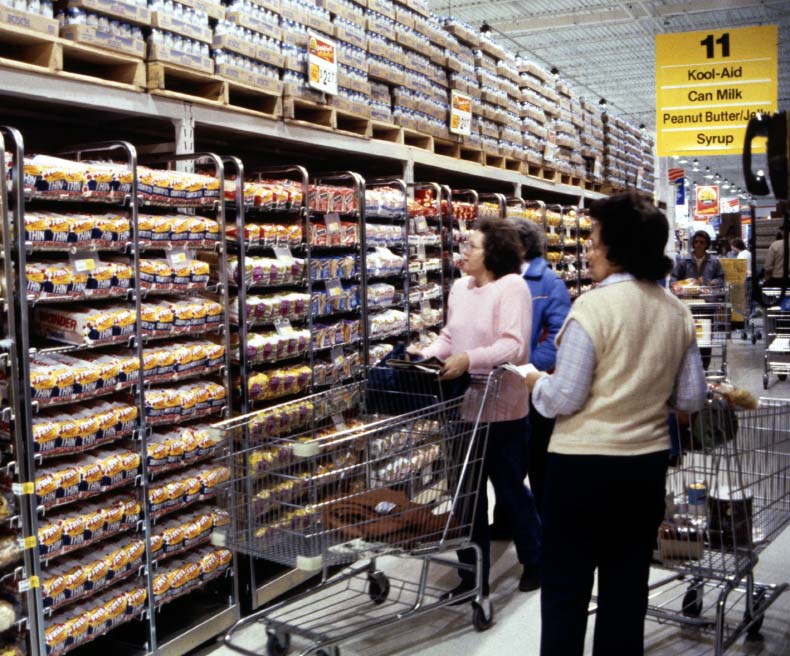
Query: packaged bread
(114, 603)
(75, 578)
(160, 586)
(197, 526)
(172, 532)
(136, 597)
(55, 635)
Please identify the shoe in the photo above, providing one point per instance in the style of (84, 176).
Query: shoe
(530, 579)
(500, 532)
(460, 589)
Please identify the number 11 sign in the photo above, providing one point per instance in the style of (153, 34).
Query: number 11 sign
(322, 64)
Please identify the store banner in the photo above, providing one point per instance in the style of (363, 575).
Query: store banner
(460, 113)
(322, 64)
(680, 192)
(730, 204)
(707, 200)
(675, 174)
(708, 85)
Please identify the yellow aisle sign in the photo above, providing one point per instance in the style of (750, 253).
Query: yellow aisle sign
(708, 85)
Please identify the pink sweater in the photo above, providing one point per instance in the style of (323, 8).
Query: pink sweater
(492, 325)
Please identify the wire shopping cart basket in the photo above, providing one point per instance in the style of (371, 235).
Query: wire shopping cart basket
(400, 478)
(777, 336)
(710, 307)
(727, 500)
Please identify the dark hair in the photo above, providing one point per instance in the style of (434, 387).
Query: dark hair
(738, 243)
(502, 252)
(704, 235)
(532, 237)
(635, 233)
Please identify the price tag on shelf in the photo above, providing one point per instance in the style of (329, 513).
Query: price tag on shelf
(425, 309)
(339, 422)
(421, 251)
(332, 222)
(460, 113)
(283, 253)
(568, 233)
(420, 224)
(334, 287)
(21, 489)
(84, 262)
(597, 167)
(321, 63)
(337, 355)
(29, 542)
(177, 258)
(283, 327)
(28, 584)
(423, 279)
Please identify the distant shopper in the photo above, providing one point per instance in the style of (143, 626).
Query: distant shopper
(742, 253)
(627, 350)
(489, 320)
(703, 267)
(774, 262)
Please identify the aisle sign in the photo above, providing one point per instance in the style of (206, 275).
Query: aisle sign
(708, 85)
(321, 63)
(707, 200)
(460, 113)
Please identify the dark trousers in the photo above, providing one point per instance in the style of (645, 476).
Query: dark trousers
(600, 512)
(538, 438)
(505, 463)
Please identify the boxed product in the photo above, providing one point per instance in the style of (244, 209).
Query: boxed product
(93, 36)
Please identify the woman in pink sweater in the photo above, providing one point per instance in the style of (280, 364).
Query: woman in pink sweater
(489, 323)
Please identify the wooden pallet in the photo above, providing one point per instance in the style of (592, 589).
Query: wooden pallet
(185, 83)
(494, 161)
(386, 132)
(577, 181)
(471, 154)
(512, 164)
(91, 63)
(37, 51)
(307, 112)
(447, 147)
(353, 124)
(552, 175)
(417, 139)
(253, 99)
(592, 185)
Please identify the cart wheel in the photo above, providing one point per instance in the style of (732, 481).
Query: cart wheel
(333, 651)
(743, 335)
(765, 381)
(378, 587)
(753, 632)
(754, 339)
(692, 602)
(278, 645)
(781, 376)
(479, 619)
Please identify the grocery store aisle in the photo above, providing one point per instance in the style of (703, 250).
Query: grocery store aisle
(448, 632)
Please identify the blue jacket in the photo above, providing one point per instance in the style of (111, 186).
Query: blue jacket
(550, 305)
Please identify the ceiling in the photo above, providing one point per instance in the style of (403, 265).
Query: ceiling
(606, 49)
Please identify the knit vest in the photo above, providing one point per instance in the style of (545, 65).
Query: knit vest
(640, 333)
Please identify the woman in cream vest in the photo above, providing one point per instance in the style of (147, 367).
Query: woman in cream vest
(627, 353)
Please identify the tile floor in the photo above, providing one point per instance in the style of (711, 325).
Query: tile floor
(448, 632)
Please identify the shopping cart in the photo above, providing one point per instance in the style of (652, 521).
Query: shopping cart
(710, 307)
(727, 500)
(400, 480)
(776, 324)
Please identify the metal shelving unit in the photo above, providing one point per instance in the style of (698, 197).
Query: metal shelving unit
(18, 458)
(392, 277)
(427, 241)
(130, 515)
